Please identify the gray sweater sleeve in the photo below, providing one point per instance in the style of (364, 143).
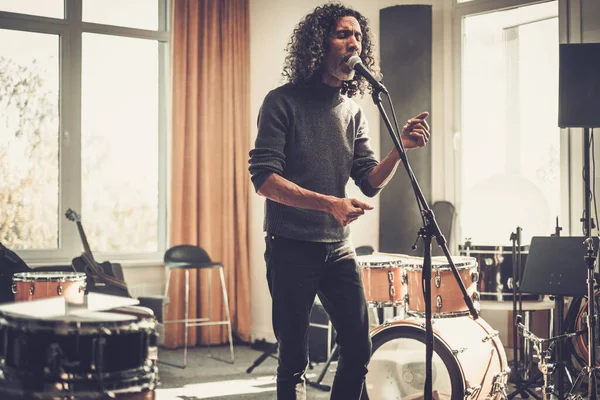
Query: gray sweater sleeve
(364, 160)
(268, 155)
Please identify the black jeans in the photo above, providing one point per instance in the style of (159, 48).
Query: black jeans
(296, 272)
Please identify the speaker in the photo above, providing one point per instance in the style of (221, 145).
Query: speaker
(321, 335)
(579, 85)
(406, 62)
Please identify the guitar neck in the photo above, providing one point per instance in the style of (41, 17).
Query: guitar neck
(86, 245)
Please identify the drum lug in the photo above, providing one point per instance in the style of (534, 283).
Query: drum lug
(31, 289)
(509, 283)
(475, 277)
(499, 383)
(391, 276)
(392, 291)
(490, 336)
(97, 359)
(438, 280)
(459, 350)
(471, 391)
(14, 288)
(438, 302)
(476, 301)
(404, 279)
(59, 290)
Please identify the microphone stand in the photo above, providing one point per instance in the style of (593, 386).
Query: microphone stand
(429, 230)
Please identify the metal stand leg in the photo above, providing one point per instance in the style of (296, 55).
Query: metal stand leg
(226, 304)
(317, 384)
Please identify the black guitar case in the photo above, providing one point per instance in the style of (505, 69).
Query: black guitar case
(10, 263)
(95, 283)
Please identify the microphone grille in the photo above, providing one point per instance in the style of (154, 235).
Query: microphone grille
(352, 61)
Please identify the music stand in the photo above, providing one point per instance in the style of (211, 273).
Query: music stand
(555, 267)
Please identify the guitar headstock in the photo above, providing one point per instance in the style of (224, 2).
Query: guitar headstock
(72, 215)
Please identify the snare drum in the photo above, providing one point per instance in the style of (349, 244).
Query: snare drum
(446, 297)
(93, 355)
(469, 361)
(39, 285)
(383, 279)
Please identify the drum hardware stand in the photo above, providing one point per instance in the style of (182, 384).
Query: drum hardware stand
(520, 373)
(518, 357)
(590, 260)
(429, 230)
(317, 384)
(592, 318)
(273, 347)
(546, 367)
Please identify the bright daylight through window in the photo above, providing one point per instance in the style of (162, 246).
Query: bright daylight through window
(510, 139)
(83, 123)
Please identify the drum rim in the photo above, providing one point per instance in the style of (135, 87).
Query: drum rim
(386, 303)
(49, 277)
(390, 328)
(439, 315)
(392, 262)
(464, 264)
(27, 324)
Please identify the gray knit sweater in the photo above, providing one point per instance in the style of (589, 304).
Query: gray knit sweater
(316, 138)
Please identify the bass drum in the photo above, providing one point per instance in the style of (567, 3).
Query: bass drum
(581, 341)
(469, 361)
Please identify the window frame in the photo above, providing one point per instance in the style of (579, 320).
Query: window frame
(70, 31)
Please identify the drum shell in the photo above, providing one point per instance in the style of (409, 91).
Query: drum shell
(383, 279)
(444, 287)
(496, 271)
(470, 347)
(34, 286)
(79, 352)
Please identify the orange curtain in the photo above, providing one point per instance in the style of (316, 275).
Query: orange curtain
(210, 145)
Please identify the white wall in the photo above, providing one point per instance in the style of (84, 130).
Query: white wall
(271, 24)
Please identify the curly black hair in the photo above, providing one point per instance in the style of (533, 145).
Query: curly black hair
(307, 48)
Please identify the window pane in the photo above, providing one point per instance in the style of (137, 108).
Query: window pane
(29, 93)
(44, 8)
(120, 143)
(510, 139)
(142, 14)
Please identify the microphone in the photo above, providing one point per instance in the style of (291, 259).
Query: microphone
(357, 65)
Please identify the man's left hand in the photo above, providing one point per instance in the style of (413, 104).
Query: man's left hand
(415, 133)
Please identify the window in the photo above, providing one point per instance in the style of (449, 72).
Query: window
(510, 155)
(83, 125)
(43, 8)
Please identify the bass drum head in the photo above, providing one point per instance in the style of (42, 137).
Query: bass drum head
(397, 367)
(581, 341)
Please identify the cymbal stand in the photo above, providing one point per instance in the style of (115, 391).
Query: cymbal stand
(521, 375)
(590, 260)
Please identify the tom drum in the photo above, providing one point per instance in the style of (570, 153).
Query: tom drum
(39, 285)
(446, 297)
(383, 279)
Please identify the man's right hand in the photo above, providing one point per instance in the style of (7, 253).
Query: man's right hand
(346, 210)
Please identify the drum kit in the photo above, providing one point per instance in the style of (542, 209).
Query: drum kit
(469, 361)
(57, 342)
